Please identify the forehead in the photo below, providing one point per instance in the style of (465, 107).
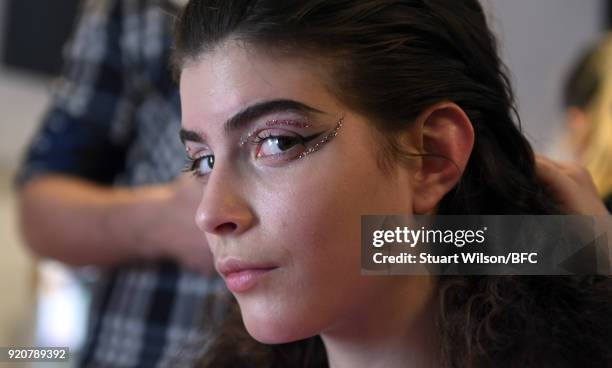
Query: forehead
(223, 81)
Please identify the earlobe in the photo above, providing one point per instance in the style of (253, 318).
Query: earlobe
(446, 137)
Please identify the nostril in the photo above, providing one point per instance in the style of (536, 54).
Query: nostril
(226, 228)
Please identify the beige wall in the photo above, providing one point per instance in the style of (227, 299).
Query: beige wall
(539, 41)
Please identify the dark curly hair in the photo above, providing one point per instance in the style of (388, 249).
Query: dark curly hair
(389, 60)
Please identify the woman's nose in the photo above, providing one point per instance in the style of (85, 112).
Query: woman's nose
(223, 210)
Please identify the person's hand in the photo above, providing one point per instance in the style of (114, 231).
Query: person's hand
(174, 233)
(570, 185)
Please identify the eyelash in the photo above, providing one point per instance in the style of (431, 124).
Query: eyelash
(257, 138)
(267, 134)
(192, 163)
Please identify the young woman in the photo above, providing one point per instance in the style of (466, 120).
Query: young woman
(299, 117)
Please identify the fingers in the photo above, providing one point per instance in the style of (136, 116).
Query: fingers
(552, 176)
(551, 171)
(570, 185)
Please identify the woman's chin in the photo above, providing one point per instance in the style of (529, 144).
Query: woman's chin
(271, 330)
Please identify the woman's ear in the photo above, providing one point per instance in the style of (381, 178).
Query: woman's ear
(446, 137)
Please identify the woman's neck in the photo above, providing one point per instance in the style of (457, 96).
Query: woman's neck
(395, 331)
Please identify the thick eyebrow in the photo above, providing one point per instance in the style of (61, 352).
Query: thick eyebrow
(250, 113)
(191, 136)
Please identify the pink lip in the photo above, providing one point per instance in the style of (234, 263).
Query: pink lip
(241, 276)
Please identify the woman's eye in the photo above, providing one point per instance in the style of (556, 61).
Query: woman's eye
(202, 166)
(278, 145)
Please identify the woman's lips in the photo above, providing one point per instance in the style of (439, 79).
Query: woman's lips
(241, 276)
(242, 281)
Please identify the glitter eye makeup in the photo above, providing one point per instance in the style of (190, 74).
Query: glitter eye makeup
(274, 123)
(284, 144)
(324, 140)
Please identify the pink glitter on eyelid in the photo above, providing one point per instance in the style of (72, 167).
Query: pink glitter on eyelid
(273, 123)
(289, 122)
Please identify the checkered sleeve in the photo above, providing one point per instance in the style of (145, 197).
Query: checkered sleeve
(86, 130)
(114, 119)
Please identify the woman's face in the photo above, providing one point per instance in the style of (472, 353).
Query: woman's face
(286, 172)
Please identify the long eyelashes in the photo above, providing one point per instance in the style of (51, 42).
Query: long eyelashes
(257, 139)
(193, 165)
(274, 123)
(285, 144)
(285, 140)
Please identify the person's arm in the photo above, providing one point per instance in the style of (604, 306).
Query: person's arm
(67, 207)
(81, 223)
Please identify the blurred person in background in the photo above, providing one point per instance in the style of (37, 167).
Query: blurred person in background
(99, 186)
(587, 101)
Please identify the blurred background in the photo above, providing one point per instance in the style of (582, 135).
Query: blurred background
(44, 303)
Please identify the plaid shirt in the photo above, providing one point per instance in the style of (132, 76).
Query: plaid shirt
(114, 119)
